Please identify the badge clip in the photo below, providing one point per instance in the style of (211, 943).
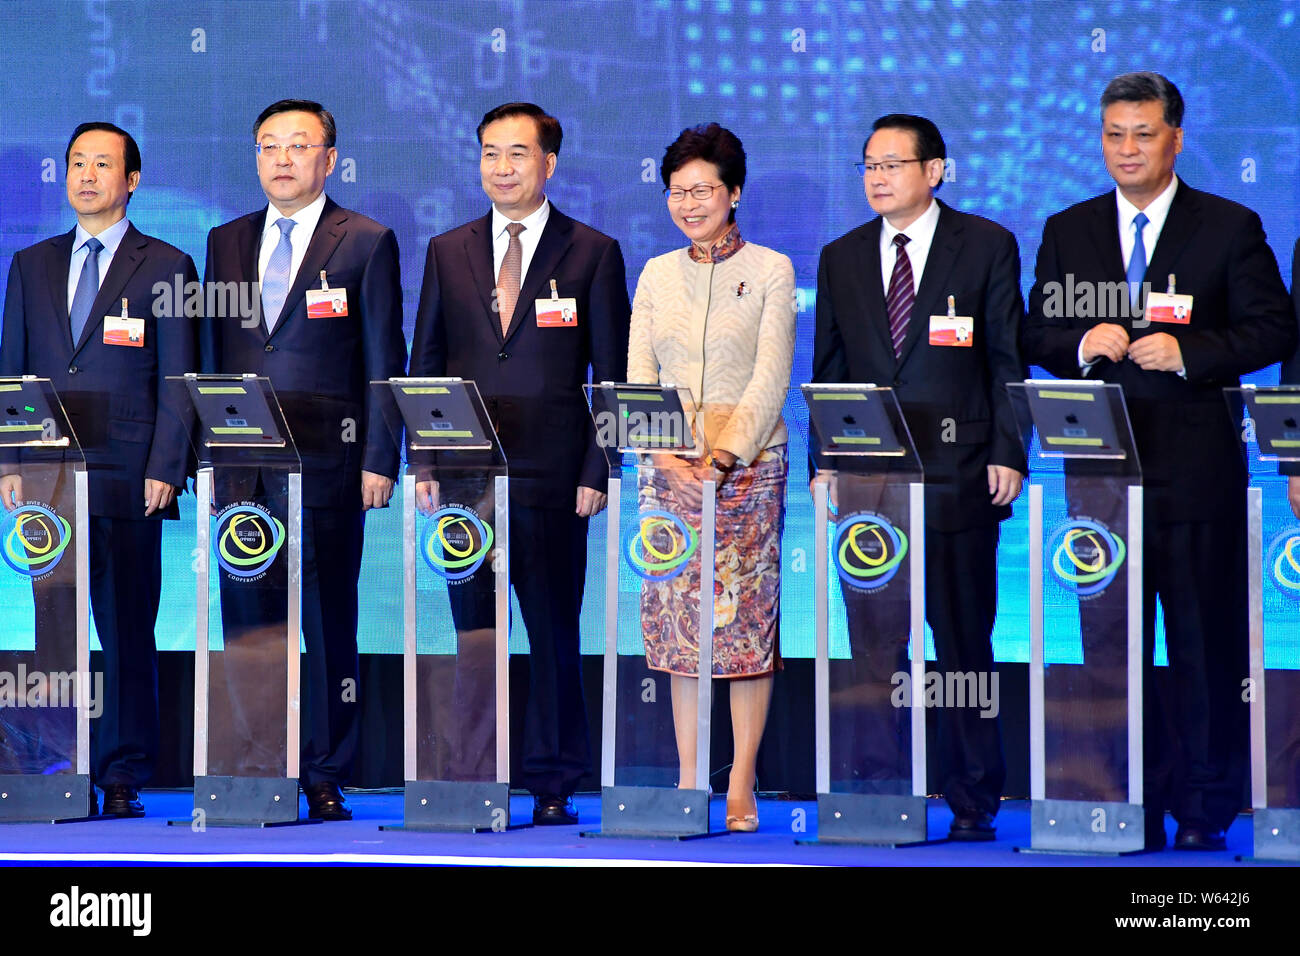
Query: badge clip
(323, 283)
(952, 307)
(124, 313)
(1170, 290)
(555, 293)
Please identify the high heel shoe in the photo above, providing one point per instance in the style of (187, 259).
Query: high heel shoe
(744, 823)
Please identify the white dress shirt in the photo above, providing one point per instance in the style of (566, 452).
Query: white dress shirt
(111, 238)
(920, 234)
(299, 239)
(1157, 211)
(534, 223)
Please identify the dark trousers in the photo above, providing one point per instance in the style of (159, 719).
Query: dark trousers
(125, 586)
(548, 566)
(332, 540)
(960, 606)
(1195, 721)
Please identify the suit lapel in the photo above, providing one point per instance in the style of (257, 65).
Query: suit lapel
(129, 255)
(57, 264)
(1103, 230)
(1181, 222)
(944, 250)
(557, 236)
(330, 230)
(871, 290)
(478, 250)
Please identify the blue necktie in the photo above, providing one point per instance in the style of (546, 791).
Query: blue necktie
(1137, 263)
(87, 288)
(275, 284)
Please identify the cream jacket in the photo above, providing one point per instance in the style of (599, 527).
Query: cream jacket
(724, 330)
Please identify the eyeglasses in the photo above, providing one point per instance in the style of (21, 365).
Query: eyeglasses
(891, 168)
(292, 150)
(699, 191)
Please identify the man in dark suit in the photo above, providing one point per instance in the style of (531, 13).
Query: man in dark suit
(320, 369)
(477, 320)
(881, 291)
(63, 309)
(1173, 373)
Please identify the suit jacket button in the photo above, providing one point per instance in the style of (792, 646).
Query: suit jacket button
(270, 348)
(502, 356)
(72, 370)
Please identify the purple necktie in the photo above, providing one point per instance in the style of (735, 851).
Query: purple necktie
(901, 296)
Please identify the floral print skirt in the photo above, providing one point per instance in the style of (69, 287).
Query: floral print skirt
(749, 518)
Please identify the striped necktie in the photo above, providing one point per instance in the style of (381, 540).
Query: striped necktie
(901, 295)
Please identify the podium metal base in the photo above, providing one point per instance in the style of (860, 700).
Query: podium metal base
(1277, 836)
(1086, 828)
(870, 819)
(46, 798)
(658, 813)
(244, 802)
(454, 806)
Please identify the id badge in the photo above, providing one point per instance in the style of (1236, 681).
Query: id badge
(123, 330)
(952, 331)
(556, 313)
(327, 303)
(1165, 307)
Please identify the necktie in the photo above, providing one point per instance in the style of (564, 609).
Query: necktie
(511, 273)
(275, 284)
(87, 288)
(1137, 262)
(901, 295)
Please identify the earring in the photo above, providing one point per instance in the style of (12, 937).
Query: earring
(735, 203)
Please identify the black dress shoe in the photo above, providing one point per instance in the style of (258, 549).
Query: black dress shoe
(1190, 837)
(325, 802)
(122, 801)
(972, 827)
(551, 810)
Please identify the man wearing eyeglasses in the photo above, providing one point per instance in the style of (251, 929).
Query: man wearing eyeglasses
(927, 300)
(320, 368)
(478, 319)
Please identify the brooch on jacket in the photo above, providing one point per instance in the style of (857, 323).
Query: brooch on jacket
(742, 290)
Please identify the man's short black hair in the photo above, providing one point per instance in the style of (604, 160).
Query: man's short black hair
(929, 142)
(1144, 87)
(300, 106)
(712, 144)
(549, 132)
(130, 150)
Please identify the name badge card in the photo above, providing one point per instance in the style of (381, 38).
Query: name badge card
(556, 313)
(326, 303)
(123, 330)
(1168, 307)
(952, 330)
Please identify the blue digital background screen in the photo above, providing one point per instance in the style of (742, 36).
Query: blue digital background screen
(1013, 87)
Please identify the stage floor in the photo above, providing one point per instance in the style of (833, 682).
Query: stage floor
(360, 842)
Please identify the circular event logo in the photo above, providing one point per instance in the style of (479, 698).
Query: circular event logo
(455, 542)
(660, 545)
(868, 550)
(1086, 555)
(1284, 562)
(247, 540)
(34, 539)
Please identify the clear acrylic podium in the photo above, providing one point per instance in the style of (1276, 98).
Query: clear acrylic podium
(1085, 626)
(1274, 579)
(248, 560)
(47, 693)
(456, 605)
(659, 561)
(869, 573)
